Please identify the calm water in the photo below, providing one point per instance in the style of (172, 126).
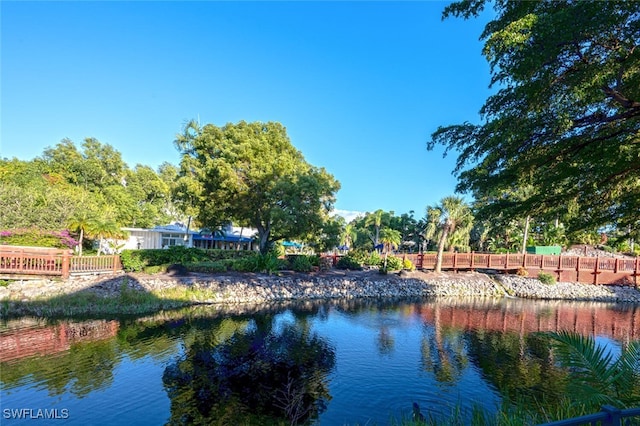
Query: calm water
(349, 362)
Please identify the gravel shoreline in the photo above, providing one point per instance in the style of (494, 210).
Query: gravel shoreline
(257, 288)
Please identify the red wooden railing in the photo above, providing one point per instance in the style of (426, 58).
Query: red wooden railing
(594, 270)
(16, 260)
(597, 270)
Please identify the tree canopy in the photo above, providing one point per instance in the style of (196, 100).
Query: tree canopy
(81, 188)
(251, 174)
(565, 119)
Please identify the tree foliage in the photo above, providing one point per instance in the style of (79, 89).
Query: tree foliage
(72, 188)
(597, 377)
(566, 116)
(251, 174)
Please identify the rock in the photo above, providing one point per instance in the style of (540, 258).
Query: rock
(255, 288)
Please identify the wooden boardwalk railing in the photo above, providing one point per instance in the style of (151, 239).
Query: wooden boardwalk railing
(17, 261)
(596, 270)
(592, 270)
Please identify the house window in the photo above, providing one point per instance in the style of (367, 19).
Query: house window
(169, 240)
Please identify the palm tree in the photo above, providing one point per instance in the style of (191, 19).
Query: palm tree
(105, 228)
(82, 222)
(349, 235)
(452, 218)
(391, 238)
(375, 219)
(596, 378)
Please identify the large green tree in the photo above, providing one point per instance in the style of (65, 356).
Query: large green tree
(252, 174)
(566, 116)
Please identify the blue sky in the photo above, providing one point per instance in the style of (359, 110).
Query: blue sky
(360, 86)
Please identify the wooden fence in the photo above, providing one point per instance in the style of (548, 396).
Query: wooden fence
(15, 261)
(592, 270)
(28, 261)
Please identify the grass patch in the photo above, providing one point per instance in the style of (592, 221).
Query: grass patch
(126, 300)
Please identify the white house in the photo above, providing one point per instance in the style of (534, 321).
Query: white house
(175, 234)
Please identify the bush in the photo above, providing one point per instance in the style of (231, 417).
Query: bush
(522, 272)
(132, 261)
(221, 254)
(408, 265)
(374, 259)
(348, 262)
(361, 255)
(38, 238)
(302, 263)
(264, 263)
(546, 278)
(246, 264)
(394, 263)
(209, 267)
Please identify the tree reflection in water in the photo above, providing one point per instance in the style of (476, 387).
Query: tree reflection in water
(443, 351)
(260, 376)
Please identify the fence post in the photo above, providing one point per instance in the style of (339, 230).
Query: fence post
(21, 261)
(65, 264)
(596, 271)
(559, 266)
(472, 259)
(578, 270)
(614, 415)
(116, 263)
(635, 272)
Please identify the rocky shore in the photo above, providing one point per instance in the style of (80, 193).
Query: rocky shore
(256, 288)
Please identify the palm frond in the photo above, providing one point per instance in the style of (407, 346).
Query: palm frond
(594, 375)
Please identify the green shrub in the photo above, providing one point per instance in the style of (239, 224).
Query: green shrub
(374, 259)
(209, 267)
(361, 255)
(394, 263)
(408, 265)
(546, 278)
(348, 262)
(221, 254)
(264, 263)
(246, 264)
(38, 238)
(302, 263)
(132, 261)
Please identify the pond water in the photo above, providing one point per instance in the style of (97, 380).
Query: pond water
(345, 362)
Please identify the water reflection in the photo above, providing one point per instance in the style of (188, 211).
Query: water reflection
(256, 375)
(331, 362)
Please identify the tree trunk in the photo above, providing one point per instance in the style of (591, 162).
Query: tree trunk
(441, 243)
(526, 234)
(263, 236)
(80, 242)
